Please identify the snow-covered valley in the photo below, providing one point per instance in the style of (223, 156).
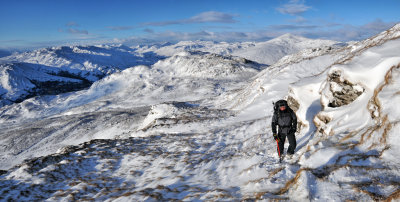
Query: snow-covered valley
(191, 121)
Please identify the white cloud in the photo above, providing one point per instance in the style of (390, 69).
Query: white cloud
(72, 30)
(289, 27)
(294, 7)
(72, 24)
(120, 28)
(300, 19)
(77, 31)
(147, 30)
(210, 16)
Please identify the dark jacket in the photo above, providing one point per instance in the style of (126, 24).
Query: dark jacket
(286, 120)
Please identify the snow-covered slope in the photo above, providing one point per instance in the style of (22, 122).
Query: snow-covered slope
(95, 59)
(267, 52)
(63, 69)
(23, 80)
(189, 128)
(343, 148)
(54, 70)
(199, 64)
(357, 126)
(134, 90)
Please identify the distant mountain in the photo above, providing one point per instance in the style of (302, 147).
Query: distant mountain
(267, 52)
(200, 64)
(56, 70)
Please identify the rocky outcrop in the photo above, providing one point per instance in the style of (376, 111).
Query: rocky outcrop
(320, 121)
(293, 103)
(341, 91)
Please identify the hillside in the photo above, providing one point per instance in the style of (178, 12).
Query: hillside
(56, 70)
(196, 126)
(42, 125)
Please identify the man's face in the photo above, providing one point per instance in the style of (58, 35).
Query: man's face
(282, 108)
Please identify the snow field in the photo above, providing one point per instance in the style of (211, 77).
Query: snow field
(188, 136)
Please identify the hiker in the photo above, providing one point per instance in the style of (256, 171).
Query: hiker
(286, 120)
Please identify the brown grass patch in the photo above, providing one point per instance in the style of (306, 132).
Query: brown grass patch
(394, 196)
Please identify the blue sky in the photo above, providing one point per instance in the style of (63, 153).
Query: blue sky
(42, 23)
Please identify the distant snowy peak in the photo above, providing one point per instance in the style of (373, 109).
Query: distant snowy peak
(201, 64)
(222, 48)
(267, 52)
(289, 37)
(273, 50)
(88, 58)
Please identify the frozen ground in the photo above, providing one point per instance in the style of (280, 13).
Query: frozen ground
(196, 126)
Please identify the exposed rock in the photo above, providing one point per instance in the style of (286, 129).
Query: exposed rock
(323, 118)
(320, 121)
(293, 104)
(343, 91)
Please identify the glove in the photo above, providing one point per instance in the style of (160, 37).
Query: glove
(276, 137)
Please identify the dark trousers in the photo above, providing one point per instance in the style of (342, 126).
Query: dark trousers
(292, 143)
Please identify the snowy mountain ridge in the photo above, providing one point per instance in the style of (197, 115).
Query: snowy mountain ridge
(25, 75)
(202, 64)
(58, 68)
(267, 52)
(180, 130)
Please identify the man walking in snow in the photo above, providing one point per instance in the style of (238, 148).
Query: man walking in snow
(286, 120)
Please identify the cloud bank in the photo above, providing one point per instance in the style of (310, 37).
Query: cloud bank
(205, 17)
(72, 24)
(120, 28)
(294, 7)
(77, 31)
(332, 31)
